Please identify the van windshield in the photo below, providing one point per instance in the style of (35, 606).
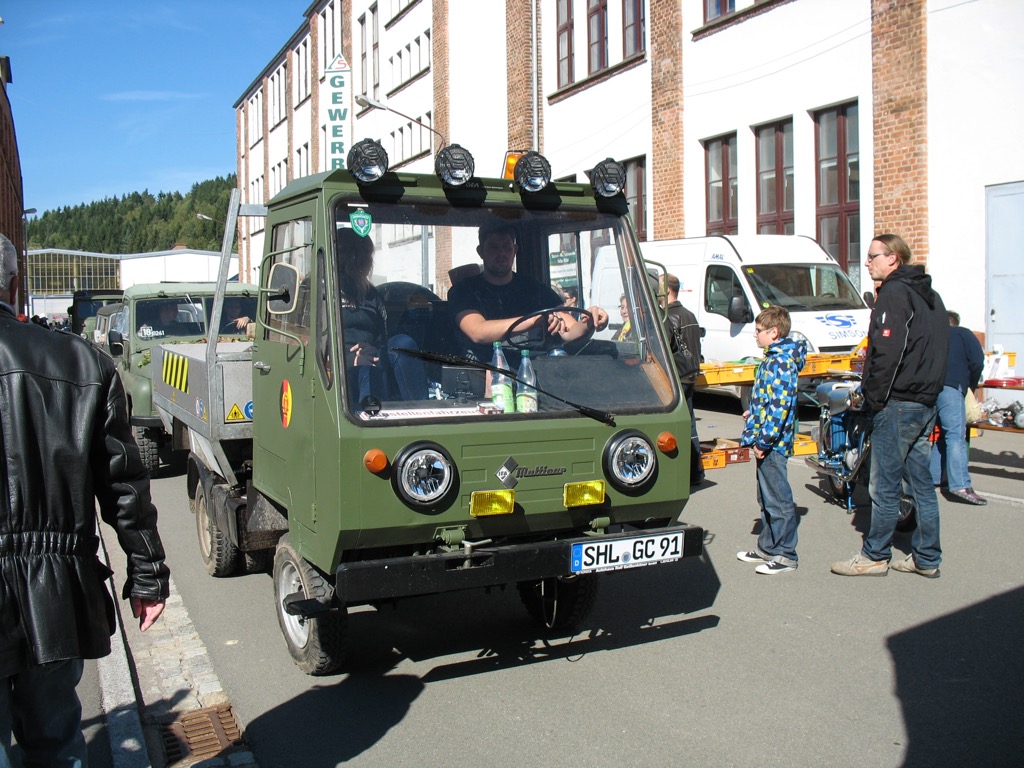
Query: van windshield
(800, 287)
(409, 337)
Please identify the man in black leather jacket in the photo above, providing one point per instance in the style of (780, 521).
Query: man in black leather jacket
(903, 375)
(66, 445)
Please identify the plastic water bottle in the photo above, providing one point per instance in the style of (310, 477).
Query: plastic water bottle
(526, 391)
(501, 385)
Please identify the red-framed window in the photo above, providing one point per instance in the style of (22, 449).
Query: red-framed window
(722, 186)
(837, 153)
(775, 178)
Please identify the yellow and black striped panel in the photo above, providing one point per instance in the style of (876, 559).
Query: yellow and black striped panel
(175, 371)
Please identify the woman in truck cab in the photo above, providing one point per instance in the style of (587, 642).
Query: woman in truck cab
(373, 367)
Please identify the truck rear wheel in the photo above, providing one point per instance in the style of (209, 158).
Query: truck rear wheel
(317, 644)
(219, 555)
(559, 603)
(148, 448)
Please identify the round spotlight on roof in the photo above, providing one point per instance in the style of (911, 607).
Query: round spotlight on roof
(367, 161)
(608, 178)
(454, 165)
(532, 172)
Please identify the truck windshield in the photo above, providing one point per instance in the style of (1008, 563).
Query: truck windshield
(412, 339)
(185, 316)
(800, 287)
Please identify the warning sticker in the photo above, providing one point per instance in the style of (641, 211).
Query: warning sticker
(235, 414)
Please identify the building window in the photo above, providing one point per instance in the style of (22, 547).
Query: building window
(721, 185)
(597, 35)
(255, 118)
(375, 43)
(565, 72)
(278, 91)
(775, 179)
(363, 57)
(715, 9)
(302, 161)
(837, 150)
(302, 74)
(634, 28)
(636, 178)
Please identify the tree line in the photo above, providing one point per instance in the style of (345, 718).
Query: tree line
(139, 222)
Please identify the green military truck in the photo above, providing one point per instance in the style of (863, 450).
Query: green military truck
(364, 499)
(85, 305)
(163, 313)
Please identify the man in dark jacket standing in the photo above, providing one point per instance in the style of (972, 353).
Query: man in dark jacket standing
(67, 445)
(903, 375)
(683, 323)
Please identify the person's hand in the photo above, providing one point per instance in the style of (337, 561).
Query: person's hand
(146, 610)
(759, 453)
(556, 324)
(600, 318)
(746, 414)
(364, 354)
(240, 322)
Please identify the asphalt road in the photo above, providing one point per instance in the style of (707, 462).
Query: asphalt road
(697, 663)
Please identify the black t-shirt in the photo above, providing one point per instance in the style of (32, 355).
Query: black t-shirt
(519, 297)
(365, 322)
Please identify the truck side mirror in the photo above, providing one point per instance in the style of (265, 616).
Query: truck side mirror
(739, 311)
(115, 343)
(283, 287)
(869, 299)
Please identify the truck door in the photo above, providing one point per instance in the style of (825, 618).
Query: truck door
(724, 339)
(283, 374)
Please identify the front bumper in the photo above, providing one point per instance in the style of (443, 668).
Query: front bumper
(369, 580)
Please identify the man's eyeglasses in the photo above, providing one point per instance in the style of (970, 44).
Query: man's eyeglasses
(876, 255)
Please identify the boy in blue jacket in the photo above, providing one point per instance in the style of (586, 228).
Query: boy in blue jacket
(769, 431)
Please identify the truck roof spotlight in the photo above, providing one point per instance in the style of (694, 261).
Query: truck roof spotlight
(532, 172)
(608, 178)
(454, 165)
(367, 161)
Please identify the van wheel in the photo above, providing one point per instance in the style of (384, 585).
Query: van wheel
(148, 448)
(219, 555)
(317, 644)
(559, 603)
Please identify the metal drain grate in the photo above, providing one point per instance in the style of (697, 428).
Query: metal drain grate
(200, 734)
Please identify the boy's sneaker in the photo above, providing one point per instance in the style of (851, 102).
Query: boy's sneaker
(753, 556)
(859, 565)
(910, 566)
(772, 567)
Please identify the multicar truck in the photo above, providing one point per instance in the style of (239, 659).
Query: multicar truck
(362, 501)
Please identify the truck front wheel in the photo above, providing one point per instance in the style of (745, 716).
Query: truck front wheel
(559, 603)
(219, 555)
(148, 448)
(316, 643)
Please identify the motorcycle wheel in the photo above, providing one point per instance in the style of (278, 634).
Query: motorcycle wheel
(840, 490)
(908, 515)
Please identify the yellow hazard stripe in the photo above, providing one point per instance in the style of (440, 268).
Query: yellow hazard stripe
(175, 371)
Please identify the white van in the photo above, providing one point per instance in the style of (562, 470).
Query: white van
(727, 280)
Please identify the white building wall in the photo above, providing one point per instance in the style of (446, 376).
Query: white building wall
(975, 114)
(790, 61)
(180, 266)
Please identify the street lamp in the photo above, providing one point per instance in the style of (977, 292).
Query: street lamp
(23, 293)
(204, 217)
(368, 103)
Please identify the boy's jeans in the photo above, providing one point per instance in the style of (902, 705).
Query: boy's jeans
(900, 451)
(778, 510)
(951, 449)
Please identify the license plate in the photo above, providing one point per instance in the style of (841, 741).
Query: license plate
(616, 554)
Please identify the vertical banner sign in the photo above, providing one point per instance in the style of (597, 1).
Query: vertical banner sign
(338, 122)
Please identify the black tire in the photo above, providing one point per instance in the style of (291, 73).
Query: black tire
(149, 449)
(559, 603)
(318, 645)
(840, 491)
(908, 515)
(259, 560)
(219, 555)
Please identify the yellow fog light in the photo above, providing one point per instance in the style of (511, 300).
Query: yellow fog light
(583, 494)
(485, 503)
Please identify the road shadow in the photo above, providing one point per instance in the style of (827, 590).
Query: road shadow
(960, 681)
(468, 633)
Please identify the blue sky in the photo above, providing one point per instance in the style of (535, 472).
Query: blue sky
(117, 96)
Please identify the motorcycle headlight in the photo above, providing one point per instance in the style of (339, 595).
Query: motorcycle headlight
(797, 336)
(424, 477)
(630, 462)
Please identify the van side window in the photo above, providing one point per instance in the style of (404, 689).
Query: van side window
(292, 244)
(721, 285)
(324, 344)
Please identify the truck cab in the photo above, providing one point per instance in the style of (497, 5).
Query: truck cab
(367, 495)
(160, 313)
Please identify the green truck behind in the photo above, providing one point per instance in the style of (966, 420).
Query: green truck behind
(364, 501)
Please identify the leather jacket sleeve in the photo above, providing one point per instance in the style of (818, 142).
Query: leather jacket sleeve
(122, 490)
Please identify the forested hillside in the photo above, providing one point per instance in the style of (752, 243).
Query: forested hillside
(138, 222)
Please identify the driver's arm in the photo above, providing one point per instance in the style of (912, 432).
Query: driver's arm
(481, 331)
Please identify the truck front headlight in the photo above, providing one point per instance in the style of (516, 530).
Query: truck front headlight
(425, 477)
(630, 462)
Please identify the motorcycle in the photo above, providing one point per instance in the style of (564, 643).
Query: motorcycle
(843, 436)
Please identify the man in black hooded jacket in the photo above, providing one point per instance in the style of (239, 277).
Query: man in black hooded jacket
(66, 445)
(903, 375)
